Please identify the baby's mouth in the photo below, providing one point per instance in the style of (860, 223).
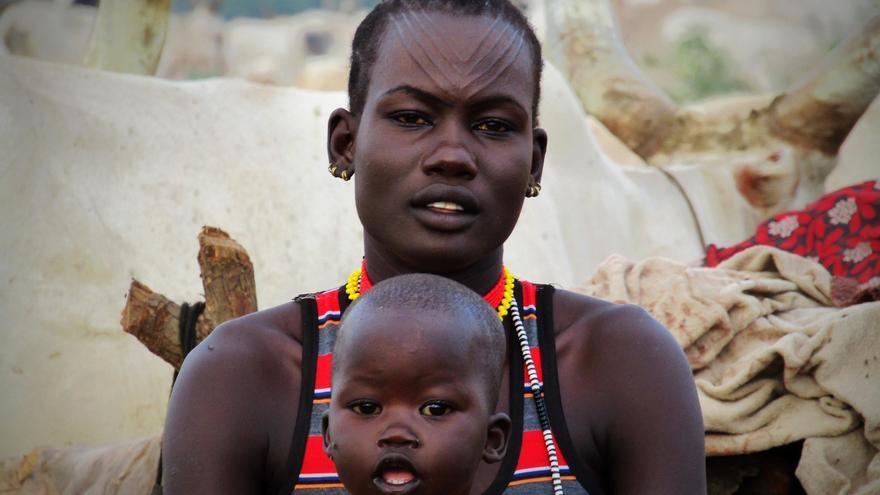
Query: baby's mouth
(397, 477)
(396, 474)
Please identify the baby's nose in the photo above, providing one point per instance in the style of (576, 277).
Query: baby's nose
(399, 438)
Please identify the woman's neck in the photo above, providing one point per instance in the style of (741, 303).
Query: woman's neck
(480, 276)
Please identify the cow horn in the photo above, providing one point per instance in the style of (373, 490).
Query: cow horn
(582, 40)
(129, 35)
(820, 112)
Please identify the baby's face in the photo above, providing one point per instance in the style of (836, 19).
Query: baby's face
(408, 412)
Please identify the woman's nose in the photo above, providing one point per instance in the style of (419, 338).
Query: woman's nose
(451, 157)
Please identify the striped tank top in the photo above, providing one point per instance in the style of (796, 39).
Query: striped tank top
(526, 467)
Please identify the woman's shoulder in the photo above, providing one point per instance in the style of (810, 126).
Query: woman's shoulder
(282, 322)
(266, 339)
(628, 379)
(246, 372)
(577, 310)
(619, 335)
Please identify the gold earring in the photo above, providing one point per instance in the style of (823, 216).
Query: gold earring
(332, 169)
(345, 175)
(533, 191)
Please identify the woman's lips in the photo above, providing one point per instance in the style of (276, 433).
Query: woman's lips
(445, 196)
(444, 219)
(445, 208)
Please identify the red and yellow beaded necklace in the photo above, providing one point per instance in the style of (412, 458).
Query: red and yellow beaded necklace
(499, 296)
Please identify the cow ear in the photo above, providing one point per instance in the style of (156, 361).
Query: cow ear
(539, 151)
(341, 133)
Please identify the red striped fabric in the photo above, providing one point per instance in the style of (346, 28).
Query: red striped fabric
(533, 454)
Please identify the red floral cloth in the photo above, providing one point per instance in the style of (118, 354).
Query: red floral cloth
(841, 231)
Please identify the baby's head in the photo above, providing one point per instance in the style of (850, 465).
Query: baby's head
(416, 373)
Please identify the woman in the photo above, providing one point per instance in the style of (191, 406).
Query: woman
(441, 138)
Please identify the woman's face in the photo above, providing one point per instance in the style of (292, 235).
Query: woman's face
(445, 146)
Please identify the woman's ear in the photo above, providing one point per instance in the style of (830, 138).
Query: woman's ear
(497, 437)
(325, 433)
(341, 133)
(539, 151)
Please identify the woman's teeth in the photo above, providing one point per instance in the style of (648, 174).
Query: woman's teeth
(445, 206)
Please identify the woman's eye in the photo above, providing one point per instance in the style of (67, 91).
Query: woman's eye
(435, 409)
(493, 126)
(410, 119)
(366, 408)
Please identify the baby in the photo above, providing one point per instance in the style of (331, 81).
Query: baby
(416, 372)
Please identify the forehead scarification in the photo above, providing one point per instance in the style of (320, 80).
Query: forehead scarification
(421, 53)
(464, 61)
(468, 69)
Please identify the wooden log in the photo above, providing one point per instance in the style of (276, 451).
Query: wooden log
(153, 320)
(230, 291)
(227, 276)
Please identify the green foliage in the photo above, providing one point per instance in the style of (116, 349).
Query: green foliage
(702, 69)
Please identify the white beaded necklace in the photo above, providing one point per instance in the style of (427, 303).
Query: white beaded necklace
(538, 396)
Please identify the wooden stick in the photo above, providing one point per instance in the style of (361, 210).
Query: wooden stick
(227, 276)
(230, 291)
(153, 319)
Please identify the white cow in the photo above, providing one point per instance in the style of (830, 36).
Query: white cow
(309, 49)
(778, 154)
(53, 31)
(194, 45)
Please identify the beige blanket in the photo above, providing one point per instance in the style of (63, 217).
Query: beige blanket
(125, 468)
(773, 362)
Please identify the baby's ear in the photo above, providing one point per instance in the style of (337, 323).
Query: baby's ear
(496, 438)
(325, 433)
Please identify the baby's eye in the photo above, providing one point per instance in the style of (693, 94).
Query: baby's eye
(494, 126)
(410, 119)
(366, 408)
(435, 408)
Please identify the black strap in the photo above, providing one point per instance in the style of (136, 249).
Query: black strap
(186, 333)
(309, 311)
(186, 326)
(559, 425)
